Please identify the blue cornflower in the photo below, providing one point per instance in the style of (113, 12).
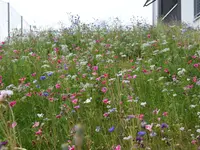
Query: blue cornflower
(111, 129)
(65, 66)
(112, 110)
(45, 93)
(141, 133)
(49, 73)
(42, 77)
(164, 125)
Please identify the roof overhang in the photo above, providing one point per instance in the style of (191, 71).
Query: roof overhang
(148, 2)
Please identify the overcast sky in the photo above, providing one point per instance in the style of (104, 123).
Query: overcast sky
(50, 12)
(46, 12)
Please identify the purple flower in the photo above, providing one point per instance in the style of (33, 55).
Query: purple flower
(141, 133)
(42, 77)
(111, 129)
(3, 143)
(164, 125)
(131, 116)
(138, 139)
(143, 124)
(152, 134)
(45, 93)
(50, 73)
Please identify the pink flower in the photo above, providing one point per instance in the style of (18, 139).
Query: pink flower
(149, 35)
(104, 89)
(51, 99)
(34, 74)
(196, 65)
(156, 111)
(57, 86)
(98, 79)
(14, 124)
(107, 45)
(134, 76)
(75, 101)
(95, 68)
(149, 127)
(76, 107)
(94, 73)
(106, 101)
(103, 82)
(118, 147)
(84, 75)
(58, 116)
(106, 114)
(166, 70)
(165, 114)
(105, 75)
(29, 94)
(195, 79)
(12, 104)
(39, 132)
(64, 97)
(188, 87)
(194, 57)
(56, 49)
(15, 51)
(141, 116)
(194, 142)
(71, 148)
(36, 124)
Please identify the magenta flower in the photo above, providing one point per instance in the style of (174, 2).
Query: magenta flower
(75, 101)
(196, 65)
(33, 74)
(104, 89)
(106, 114)
(39, 132)
(76, 107)
(12, 104)
(118, 147)
(95, 68)
(57, 86)
(106, 101)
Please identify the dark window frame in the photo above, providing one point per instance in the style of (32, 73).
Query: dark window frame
(160, 9)
(196, 8)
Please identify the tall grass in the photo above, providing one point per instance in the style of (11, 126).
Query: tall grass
(134, 88)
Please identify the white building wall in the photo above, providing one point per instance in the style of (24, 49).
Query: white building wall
(187, 11)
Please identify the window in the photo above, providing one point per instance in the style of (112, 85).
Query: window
(166, 5)
(196, 8)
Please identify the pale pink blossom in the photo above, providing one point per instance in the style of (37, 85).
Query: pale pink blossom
(36, 124)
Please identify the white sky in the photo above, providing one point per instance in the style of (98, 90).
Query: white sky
(50, 12)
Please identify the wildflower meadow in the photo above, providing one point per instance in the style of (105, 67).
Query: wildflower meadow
(101, 87)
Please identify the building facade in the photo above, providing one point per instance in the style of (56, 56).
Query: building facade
(187, 11)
